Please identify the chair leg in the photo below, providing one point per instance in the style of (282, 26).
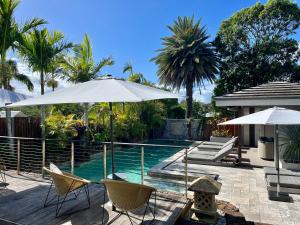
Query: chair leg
(87, 192)
(45, 202)
(130, 218)
(63, 201)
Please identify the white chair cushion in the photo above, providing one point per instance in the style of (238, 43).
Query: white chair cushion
(55, 169)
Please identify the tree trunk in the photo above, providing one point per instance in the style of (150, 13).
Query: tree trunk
(189, 102)
(42, 83)
(43, 109)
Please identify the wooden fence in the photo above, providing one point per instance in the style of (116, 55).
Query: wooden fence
(22, 127)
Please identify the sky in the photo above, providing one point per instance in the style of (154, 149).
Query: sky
(129, 31)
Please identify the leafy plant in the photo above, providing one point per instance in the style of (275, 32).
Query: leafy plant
(290, 143)
(81, 67)
(221, 133)
(62, 127)
(257, 45)
(40, 49)
(11, 33)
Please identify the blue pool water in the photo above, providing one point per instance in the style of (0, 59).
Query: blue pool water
(128, 160)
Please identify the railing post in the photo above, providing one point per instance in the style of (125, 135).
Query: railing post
(18, 156)
(72, 157)
(142, 165)
(43, 156)
(186, 172)
(104, 161)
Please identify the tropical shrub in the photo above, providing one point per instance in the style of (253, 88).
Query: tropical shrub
(290, 143)
(176, 112)
(221, 133)
(62, 127)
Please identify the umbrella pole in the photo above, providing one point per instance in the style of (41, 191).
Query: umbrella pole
(111, 141)
(277, 157)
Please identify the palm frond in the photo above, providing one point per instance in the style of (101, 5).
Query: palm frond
(25, 80)
(128, 68)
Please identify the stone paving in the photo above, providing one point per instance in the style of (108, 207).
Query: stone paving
(247, 190)
(245, 187)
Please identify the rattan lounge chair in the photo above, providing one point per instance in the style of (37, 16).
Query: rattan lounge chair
(211, 157)
(128, 197)
(65, 184)
(288, 184)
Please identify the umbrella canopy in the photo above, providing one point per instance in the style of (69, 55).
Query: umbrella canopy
(271, 116)
(105, 89)
(8, 97)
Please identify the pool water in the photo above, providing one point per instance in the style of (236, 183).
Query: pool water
(128, 160)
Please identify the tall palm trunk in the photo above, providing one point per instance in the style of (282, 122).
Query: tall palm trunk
(42, 83)
(43, 109)
(189, 103)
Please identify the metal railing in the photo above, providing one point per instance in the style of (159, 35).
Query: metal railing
(92, 160)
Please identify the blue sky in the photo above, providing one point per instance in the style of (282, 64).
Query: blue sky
(127, 30)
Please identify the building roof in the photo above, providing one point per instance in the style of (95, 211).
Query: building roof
(270, 94)
(13, 114)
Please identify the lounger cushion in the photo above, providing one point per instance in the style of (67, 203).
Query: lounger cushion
(285, 181)
(53, 168)
(224, 152)
(216, 145)
(273, 171)
(209, 155)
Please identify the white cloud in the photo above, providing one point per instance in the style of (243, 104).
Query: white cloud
(202, 94)
(35, 79)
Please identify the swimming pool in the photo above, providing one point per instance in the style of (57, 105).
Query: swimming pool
(128, 160)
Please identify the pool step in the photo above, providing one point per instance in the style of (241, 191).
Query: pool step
(165, 184)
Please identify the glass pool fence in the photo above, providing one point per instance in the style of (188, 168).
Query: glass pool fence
(158, 163)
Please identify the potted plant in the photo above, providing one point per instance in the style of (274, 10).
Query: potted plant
(289, 144)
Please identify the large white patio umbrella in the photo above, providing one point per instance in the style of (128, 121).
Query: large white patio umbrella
(273, 116)
(104, 89)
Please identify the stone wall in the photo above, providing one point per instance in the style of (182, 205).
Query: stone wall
(177, 129)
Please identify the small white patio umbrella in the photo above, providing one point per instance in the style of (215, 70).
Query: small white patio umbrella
(8, 97)
(104, 89)
(272, 116)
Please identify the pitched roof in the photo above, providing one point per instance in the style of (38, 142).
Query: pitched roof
(270, 94)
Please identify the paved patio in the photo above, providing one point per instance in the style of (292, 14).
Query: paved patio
(244, 186)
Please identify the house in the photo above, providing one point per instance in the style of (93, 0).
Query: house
(254, 99)
(13, 114)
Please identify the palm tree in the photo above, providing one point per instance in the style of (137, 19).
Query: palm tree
(11, 72)
(56, 71)
(81, 67)
(40, 49)
(11, 32)
(133, 76)
(187, 59)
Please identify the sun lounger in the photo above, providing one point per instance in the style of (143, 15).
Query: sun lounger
(209, 157)
(215, 145)
(288, 184)
(273, 171)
